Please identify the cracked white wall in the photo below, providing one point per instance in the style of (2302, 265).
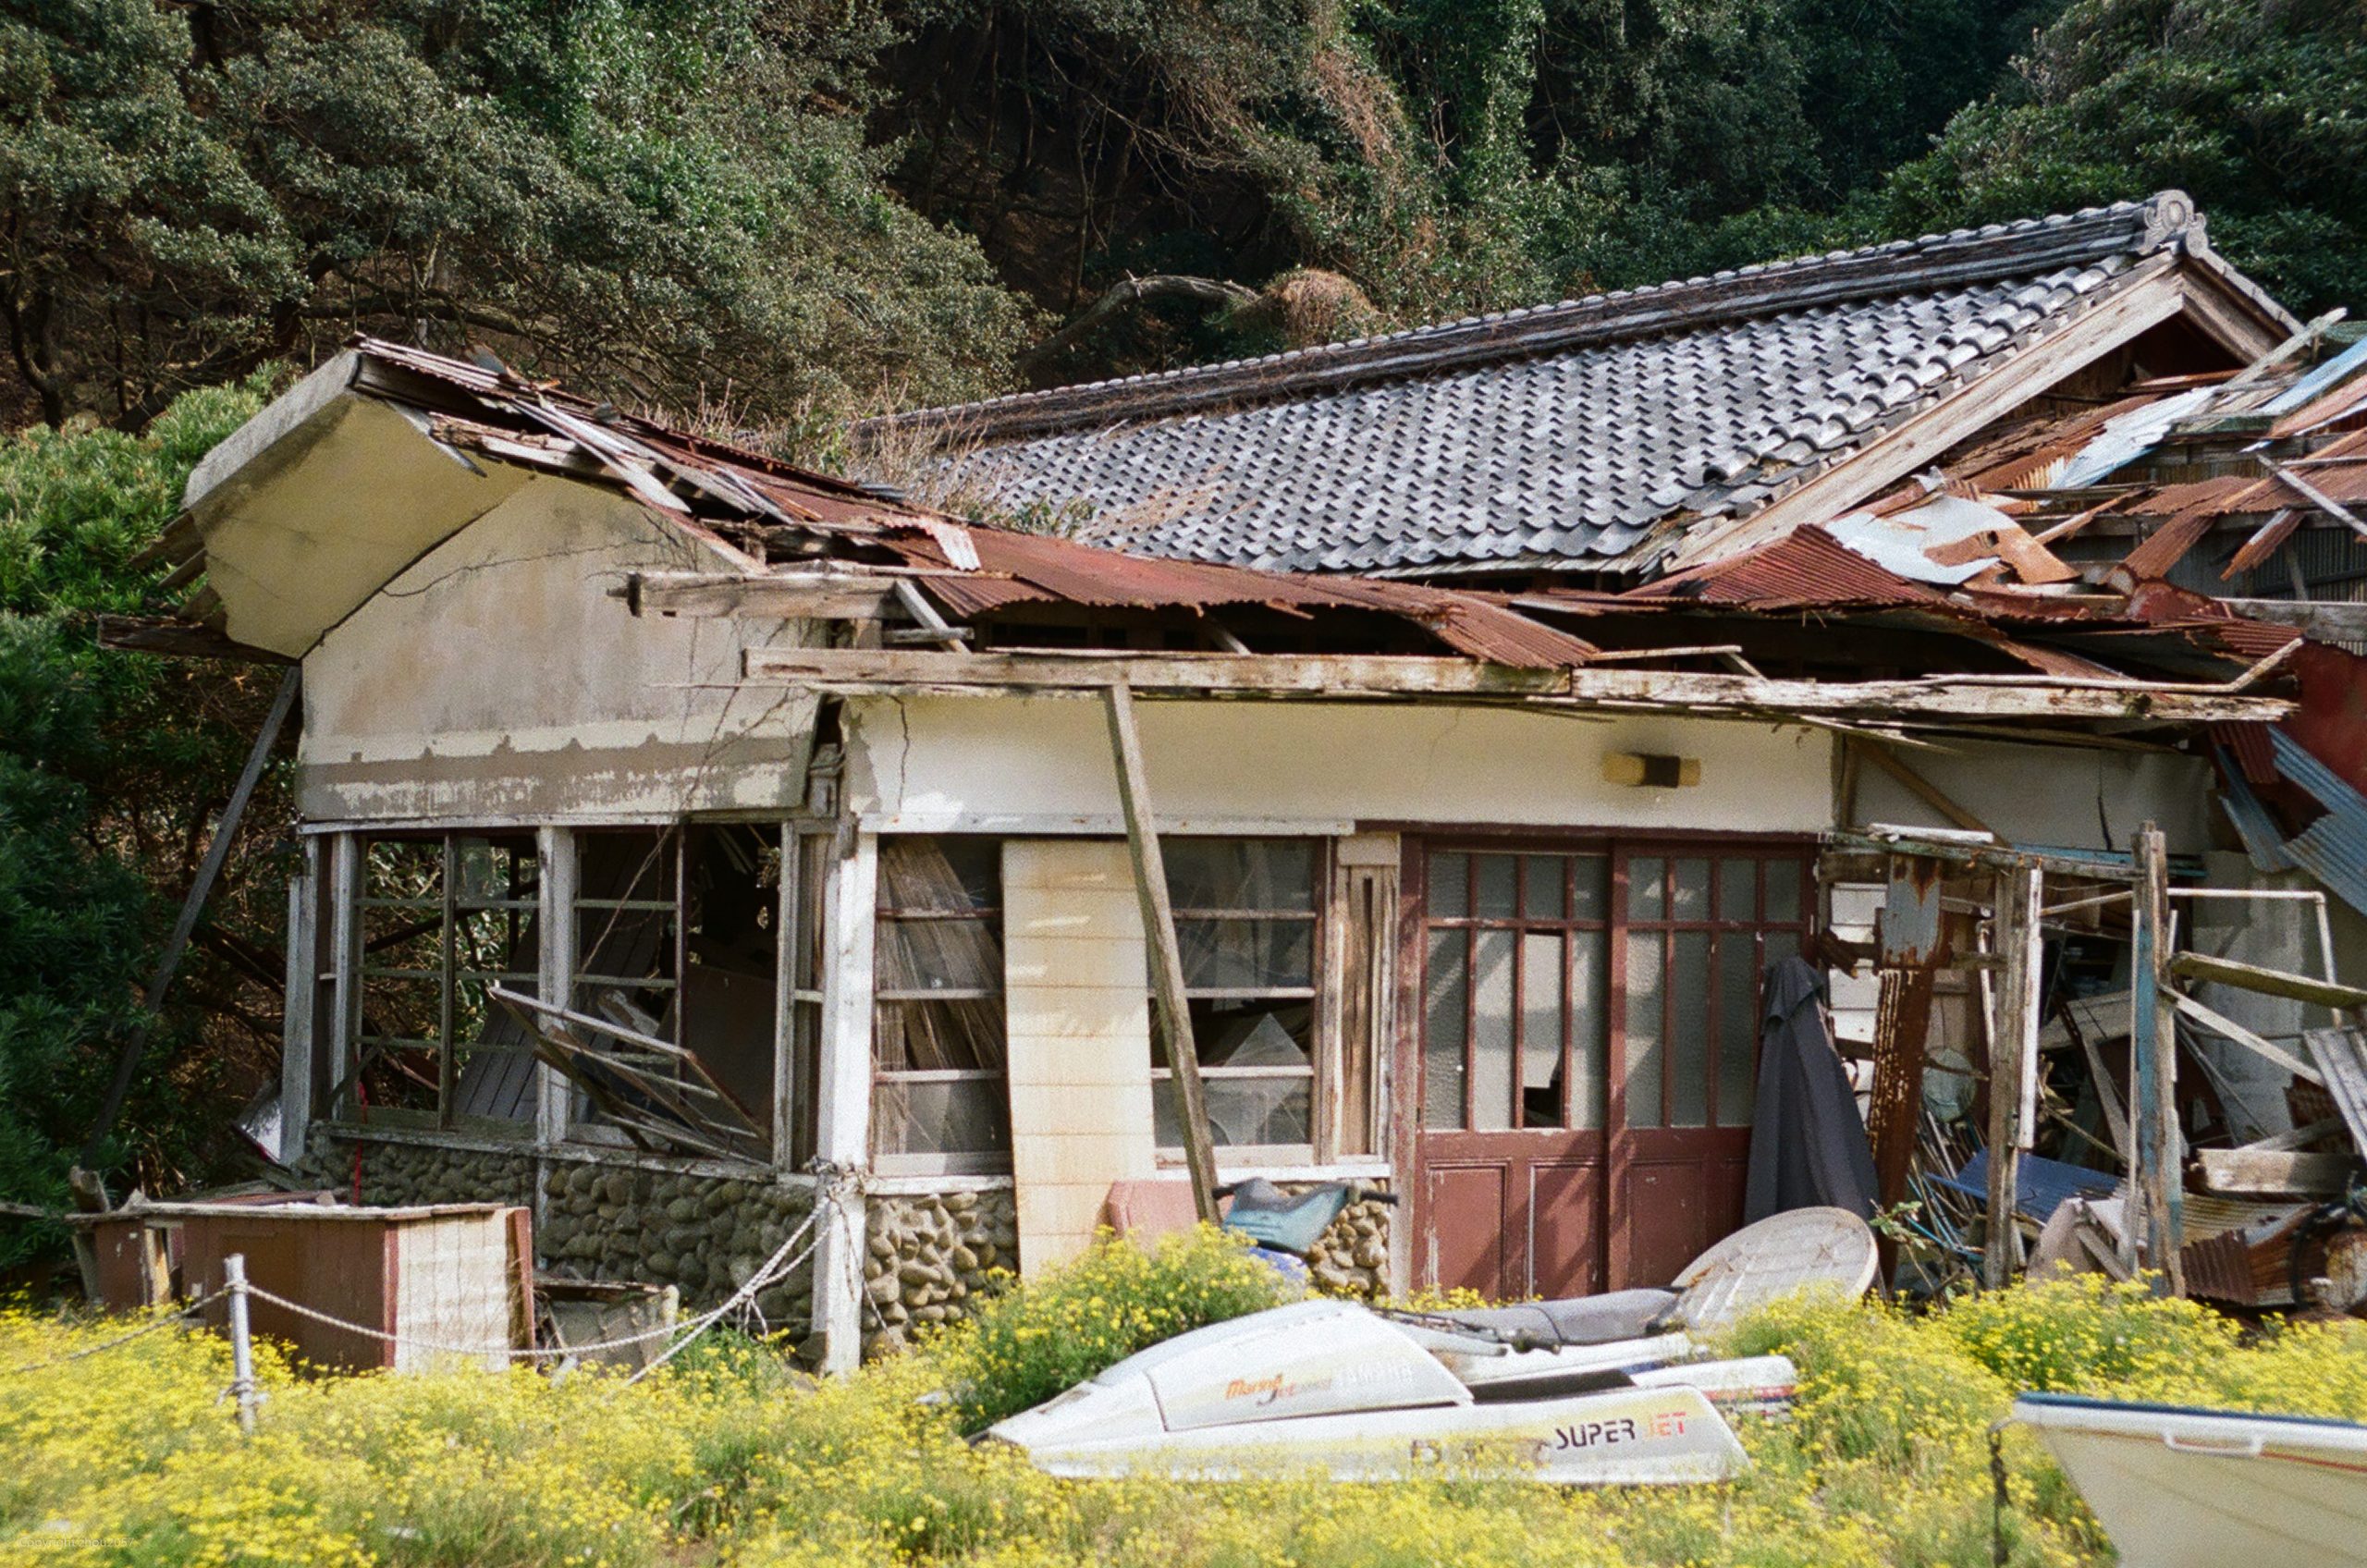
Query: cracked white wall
(495, 679)
(1043, 765)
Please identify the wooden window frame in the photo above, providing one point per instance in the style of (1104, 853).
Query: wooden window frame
(1321, 1071)
(352, 897)
(960, 1162)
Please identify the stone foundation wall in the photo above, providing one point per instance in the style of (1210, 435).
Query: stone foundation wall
(1351, 1259)
(927, 1254)
(705, 1235)
(405, 1175)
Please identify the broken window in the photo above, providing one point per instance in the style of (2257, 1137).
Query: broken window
(441, 918)
(937, 1024)
(1245, 919)
(677, 950)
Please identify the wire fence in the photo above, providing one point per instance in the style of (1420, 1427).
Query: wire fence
(791, 1254)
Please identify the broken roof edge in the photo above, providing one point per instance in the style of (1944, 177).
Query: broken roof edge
(2166, 220)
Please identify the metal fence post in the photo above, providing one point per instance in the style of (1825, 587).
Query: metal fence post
(242, 1350)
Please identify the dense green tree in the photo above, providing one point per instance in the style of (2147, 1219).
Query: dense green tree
(112, 769)
(667, 196)
(2255, 106)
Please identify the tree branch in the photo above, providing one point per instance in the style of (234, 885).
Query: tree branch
(1134, 291)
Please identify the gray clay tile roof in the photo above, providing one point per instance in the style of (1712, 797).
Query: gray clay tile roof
(1580, 434)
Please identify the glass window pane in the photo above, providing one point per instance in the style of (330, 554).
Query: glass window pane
(1251, 1034)
(1224, 873)
(1690, 892)
(1541, 1029)
(1644, 897)
(939, 1116)
(943, 954)
(1592, 876)
(1589, 1027)
(929, 874)
(1497, 874)
(1738, 1027)
(1645, 957)
(1491, 1030)
(937, 1036)
(1737, 890)
(1544, 892)
(1782, 892)
(1689, 1047)
(1446, 997)
(1246, 954)
(1774, 945)
(1449, 887)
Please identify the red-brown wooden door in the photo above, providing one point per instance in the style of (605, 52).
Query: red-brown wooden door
(1586, 1053)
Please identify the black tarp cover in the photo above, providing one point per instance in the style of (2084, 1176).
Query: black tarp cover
(1807, 1141)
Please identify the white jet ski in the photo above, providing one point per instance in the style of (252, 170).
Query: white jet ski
(1334, 1387)
(2181, 1488)
(1596, 1390)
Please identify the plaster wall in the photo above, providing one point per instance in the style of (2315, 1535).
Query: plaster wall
(1042, 764)
(496, 679)
(2061, 796)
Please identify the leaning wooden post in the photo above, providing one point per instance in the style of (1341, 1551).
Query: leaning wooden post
(2013, 1066)
(2152, 1037)
(1166, 957)
(168, 962)
(242, 1350)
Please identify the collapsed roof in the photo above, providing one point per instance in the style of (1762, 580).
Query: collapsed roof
(344, 482)
(1607, 433)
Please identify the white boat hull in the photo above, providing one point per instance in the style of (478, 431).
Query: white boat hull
(2190, 1489)
(1626, 1436)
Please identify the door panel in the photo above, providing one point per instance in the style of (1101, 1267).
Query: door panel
(1470, 1224)
(1583, 1051)
(1566, 1228)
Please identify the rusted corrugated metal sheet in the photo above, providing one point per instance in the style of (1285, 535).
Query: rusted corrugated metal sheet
(1038, 568)
(1806, 570)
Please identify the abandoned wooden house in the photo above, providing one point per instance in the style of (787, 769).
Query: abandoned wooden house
(1419, 747)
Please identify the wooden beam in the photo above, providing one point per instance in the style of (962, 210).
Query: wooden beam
(168, 962)
(179, 639)
(793, 594)
(2329, 620)
(1916, 784)
(1166, 957)
(1337, 676)
(2267, 982)
(2276, 1172)
(2013, 1066)
(2228, 1028)
(2317, 497)
(2153, 1042)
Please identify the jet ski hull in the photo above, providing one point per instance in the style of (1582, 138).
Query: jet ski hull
(1623, 1437)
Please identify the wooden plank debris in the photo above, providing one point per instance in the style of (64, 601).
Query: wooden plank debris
(2276, 1172)
(2268, 982)
(2341, 1056)
(2013, 1067)
(658, 1093)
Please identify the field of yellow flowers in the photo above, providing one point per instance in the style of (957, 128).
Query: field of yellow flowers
(728, 1458)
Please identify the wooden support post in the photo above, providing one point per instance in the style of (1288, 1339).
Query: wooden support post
(1166, 957)
(2013, 1066)
(300, 1016)
(168, 962)
(842, 1113)
(555, 930)
(2153, 1028)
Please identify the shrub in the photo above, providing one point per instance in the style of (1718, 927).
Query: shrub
(1026, 1344)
